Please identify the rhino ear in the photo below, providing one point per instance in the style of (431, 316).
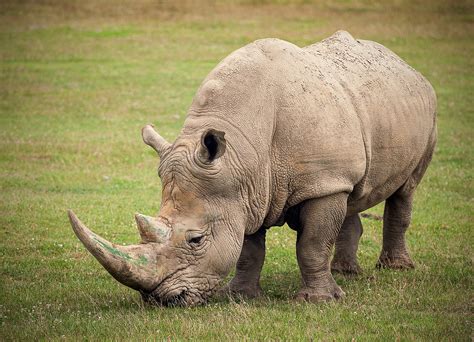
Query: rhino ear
(213, 145)
(153, 139)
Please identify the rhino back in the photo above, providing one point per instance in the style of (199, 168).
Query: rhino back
(351, 116)
(339, 115)
(396, 107)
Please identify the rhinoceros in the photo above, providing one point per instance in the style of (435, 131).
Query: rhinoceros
(280, 134)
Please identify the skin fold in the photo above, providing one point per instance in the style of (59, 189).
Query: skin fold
(281, 134)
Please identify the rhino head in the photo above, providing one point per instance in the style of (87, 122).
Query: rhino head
(197, 236)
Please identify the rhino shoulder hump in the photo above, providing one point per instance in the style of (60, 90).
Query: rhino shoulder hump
(272, 48)
(341, 35)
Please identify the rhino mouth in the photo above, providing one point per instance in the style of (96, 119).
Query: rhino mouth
(179, 298)
(169, 295)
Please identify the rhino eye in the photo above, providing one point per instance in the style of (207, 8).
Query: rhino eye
(195, 240)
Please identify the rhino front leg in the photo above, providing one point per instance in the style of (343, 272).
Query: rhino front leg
(345, 256)
(246, 281)
(396, 219)
(320, 222)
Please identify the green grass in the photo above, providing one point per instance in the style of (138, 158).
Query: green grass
(77, 82)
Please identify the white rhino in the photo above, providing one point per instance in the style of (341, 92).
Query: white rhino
(277, 133)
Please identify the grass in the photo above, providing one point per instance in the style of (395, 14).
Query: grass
(77, 82)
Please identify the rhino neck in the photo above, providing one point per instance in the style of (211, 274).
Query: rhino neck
(250, 164)
(238, 98)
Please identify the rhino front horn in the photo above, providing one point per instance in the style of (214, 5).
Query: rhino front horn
(134, 266)
(153, 139)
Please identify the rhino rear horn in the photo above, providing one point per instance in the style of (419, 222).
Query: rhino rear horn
(152, 229)
(153, 139)
(134, 266)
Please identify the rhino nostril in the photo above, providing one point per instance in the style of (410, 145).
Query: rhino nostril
(149, 298)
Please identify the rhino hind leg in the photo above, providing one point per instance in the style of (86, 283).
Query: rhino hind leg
(396, 219)
(347, 243)
(246, 282)
(397, 215)
(320, 222)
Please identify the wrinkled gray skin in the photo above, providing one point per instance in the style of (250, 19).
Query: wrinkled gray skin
(276, 133)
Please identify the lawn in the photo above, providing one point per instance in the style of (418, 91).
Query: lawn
(78, 81)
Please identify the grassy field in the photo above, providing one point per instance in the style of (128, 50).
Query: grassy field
(80, 78)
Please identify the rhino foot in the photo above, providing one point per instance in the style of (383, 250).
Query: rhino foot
(319, 295)
(247, 292)
(399, 262)
(345, 267)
